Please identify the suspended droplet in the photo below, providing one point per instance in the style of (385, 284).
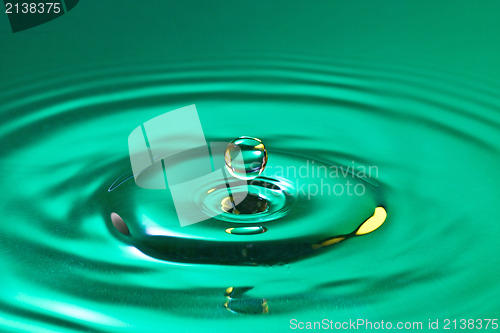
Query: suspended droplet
(245, 157)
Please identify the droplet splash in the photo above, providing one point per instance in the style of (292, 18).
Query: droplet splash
(260, 229)
(251, 204)
(245, 157)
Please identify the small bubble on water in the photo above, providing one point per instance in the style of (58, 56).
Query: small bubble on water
(246, 230)
(119, 224)
(245, 157)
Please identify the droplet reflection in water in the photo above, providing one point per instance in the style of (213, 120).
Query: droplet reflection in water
(238, 303)
(245, 157)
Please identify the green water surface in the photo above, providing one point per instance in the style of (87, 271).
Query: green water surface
(407, 87)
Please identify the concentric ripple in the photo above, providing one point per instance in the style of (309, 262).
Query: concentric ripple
(427, 144)
(292, 192)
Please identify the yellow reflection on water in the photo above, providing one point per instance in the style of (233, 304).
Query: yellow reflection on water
(374, 222)
(371, 224)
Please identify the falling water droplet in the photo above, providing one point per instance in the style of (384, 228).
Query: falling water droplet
(245, 157)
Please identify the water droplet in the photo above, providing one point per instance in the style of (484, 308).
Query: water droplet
(245, 157)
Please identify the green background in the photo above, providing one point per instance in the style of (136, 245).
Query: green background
(408, 86)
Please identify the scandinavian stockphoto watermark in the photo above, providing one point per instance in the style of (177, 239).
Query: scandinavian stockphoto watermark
(311, 179)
